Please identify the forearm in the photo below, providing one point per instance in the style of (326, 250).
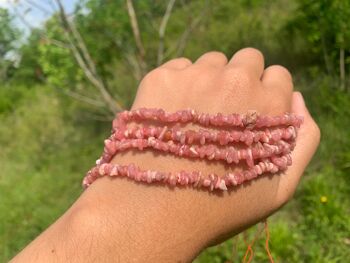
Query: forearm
(120, 221)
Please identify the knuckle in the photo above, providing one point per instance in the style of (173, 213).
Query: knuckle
(158, 75)
(182, 60)
(252, 51)
(161, 72)
(216, 54)
(185, 59)
(212, 59)
(280, 70)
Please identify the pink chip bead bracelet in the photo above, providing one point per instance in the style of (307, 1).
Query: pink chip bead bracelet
(263, 143)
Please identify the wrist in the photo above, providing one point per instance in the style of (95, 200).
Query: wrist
(138, 222)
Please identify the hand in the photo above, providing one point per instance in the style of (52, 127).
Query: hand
(148, 223)
(214, 84)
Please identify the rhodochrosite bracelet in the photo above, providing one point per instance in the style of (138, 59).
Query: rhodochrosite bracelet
(260, 144)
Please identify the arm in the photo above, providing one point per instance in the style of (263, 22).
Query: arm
(122, 221)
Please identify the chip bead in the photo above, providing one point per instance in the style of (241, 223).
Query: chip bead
(259, 143)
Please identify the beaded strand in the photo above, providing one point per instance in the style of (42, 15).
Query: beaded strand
(250, 120)
(210, 152)
(203, 135)
(265, 144)
(196, 178)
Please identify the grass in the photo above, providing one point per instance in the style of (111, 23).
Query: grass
(45, 152)
(43, 156)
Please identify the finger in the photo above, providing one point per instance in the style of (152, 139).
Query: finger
(306, 145)
(213, 58)
(177, 63)
(250, 59)
(277, 79)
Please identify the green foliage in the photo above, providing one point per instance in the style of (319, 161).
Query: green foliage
(324, 25)
(328, 219)
(115, 33)
(8, 36)
(43, 134)
(43, 155)
(29, 70)
(10, 96)
(8, 33)
(57, 62)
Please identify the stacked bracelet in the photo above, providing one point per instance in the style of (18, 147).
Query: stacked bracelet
(264, 143)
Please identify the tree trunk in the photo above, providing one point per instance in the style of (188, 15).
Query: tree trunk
(342, 68)
(326, 57)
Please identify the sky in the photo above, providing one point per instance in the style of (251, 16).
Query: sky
(34, 16)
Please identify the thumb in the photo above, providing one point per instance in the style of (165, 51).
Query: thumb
(306, 144)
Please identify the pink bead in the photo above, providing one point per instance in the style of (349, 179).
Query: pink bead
(264, 142)
(172, 180)
(206, 182)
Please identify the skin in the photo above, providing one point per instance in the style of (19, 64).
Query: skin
(122, 221)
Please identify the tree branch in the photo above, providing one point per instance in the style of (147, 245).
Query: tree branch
(162, 29)
(180, 46)
(82, 98)
(54, 42)
(42, 35)
(38, 6)
(90, 76)
(84, 60)
(74, 95)
(132, 61)
(137, 35)
(135, 27)
(82, 46)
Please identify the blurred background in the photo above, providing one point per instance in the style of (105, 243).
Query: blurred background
(67, 65)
